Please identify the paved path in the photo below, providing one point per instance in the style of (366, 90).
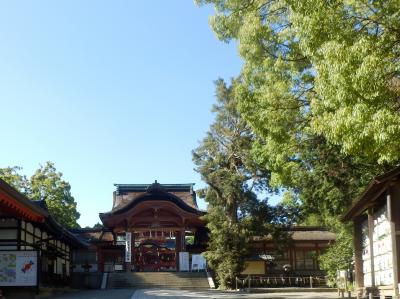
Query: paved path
(181, 294)
(184, 294)
(97, 294)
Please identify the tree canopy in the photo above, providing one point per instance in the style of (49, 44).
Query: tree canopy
(319, 68)
(46, 184)
(320, 90)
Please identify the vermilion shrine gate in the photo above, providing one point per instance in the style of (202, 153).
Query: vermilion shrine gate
(151, 224)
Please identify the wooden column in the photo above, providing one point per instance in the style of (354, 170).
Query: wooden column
(100, 259)
(132, 264)
(358, 250)
(177, 248)
(389, 207)
(291, 257)
(371, 244)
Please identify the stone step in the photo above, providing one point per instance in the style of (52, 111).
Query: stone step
(180, 280)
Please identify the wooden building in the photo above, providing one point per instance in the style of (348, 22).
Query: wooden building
(306, 244)
(158, 227)
(376, 218)
(34, 249)
(150, 224)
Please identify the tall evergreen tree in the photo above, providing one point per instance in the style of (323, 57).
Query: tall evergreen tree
(235, 214)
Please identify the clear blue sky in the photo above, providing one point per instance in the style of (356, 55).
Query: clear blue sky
(110, 91)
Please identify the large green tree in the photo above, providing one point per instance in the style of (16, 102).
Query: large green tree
(320, 89)
(318, 67)
(235, 214)
(46, 184)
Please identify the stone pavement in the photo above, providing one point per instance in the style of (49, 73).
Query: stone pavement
(185, 294)
(95, 294)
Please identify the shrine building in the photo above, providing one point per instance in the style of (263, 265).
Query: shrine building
(147, 227)
(158, 227)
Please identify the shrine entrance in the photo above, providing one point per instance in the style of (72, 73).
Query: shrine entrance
(152, 226)
(154, 251)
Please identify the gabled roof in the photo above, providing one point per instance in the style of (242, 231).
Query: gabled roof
(375, 188)
(23, 206)
(151, 194)
(305, 233)
(56, 229)
(123, 188)
(93, 235)
(35, 211)
(183, 191)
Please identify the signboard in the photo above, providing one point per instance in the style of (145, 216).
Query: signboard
(382, 250)
(198, 262)
(128, 247)
(183, 261)
(18, 268)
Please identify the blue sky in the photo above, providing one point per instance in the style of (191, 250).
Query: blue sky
(110, 91)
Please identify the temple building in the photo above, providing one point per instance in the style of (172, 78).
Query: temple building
(150, 228)
(146, 229)
(158, 227)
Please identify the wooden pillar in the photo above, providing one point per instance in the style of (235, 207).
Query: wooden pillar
(132, 264)
(358, 250)
(291, 255)
(183, 236)
(391, 219)
(177, 248)
(100, 259)
(371, 244)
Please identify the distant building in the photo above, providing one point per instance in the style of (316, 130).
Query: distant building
(305, 246)
(376, 218)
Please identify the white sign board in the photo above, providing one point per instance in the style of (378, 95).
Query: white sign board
(198, 262)
(183, 261)
(128, 247)
(382, 250)
(18, 268)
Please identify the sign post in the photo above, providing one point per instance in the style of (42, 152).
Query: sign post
(183, 261)
(18, 268)
(128, 247)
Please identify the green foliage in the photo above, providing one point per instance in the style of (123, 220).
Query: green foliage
(46, 184)
(320, 68)
(221, 159)
(320, 89)
(340, 254)
(235, 214)
(12, 177)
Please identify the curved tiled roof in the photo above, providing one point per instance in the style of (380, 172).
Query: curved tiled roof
(126, 193)
(150, 195)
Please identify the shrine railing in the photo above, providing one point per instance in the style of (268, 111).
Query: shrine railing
(280, 282)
